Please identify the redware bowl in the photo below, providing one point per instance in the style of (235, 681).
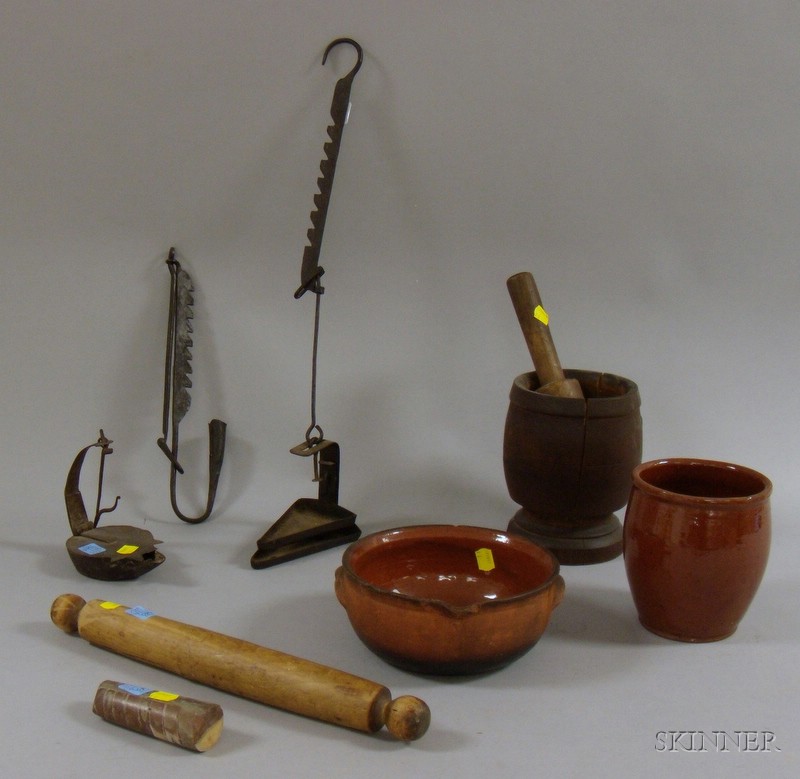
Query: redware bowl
(448, 599)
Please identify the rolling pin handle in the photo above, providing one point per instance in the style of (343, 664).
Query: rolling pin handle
(407, 717)
(64, 612)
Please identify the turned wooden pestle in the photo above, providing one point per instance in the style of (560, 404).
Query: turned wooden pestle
(534, 323)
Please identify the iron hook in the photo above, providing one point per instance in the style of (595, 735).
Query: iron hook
(355, 45)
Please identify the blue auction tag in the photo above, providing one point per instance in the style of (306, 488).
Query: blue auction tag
(91, 548)
(134, 689)
(141, 612)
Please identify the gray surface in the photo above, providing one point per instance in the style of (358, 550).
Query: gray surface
(640, 158)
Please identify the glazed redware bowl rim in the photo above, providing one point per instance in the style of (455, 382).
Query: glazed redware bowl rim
(381, 541)
(762, 486)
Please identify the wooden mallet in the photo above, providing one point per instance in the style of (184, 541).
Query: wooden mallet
(241, 668)
(534, 322)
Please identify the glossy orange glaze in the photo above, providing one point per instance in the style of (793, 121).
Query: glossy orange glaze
(420, 598)
(696, 542)
(445, 569)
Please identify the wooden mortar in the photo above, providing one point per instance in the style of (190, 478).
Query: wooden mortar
(571, 441)
(568, 463)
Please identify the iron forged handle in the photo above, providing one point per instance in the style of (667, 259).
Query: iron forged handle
(79, 521)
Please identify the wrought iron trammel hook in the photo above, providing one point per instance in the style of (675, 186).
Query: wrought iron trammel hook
(313, 524)
(311, 271)
(176, 390)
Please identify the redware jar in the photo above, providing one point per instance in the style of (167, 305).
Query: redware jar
(696, 539)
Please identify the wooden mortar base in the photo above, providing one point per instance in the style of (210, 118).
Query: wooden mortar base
(598, 543)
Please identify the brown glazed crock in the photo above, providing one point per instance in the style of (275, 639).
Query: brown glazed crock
(418, 597)
(696, 541)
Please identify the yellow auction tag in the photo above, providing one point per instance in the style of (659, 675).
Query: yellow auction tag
(127, 549)
(540, 314)
(107, 604)
(159, 695)
(485, 559)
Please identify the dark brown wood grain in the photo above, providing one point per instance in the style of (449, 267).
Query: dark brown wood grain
(186, 722)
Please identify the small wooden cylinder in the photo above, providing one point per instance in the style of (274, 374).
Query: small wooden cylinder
(189, 723)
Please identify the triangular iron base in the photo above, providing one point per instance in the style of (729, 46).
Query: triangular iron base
(309, 525)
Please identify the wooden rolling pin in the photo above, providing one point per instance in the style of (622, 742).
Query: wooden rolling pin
(533, 320)
(239, 667)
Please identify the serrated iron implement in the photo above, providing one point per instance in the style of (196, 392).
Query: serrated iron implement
(177, 382)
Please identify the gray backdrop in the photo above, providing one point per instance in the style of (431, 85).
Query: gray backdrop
(640, 158)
